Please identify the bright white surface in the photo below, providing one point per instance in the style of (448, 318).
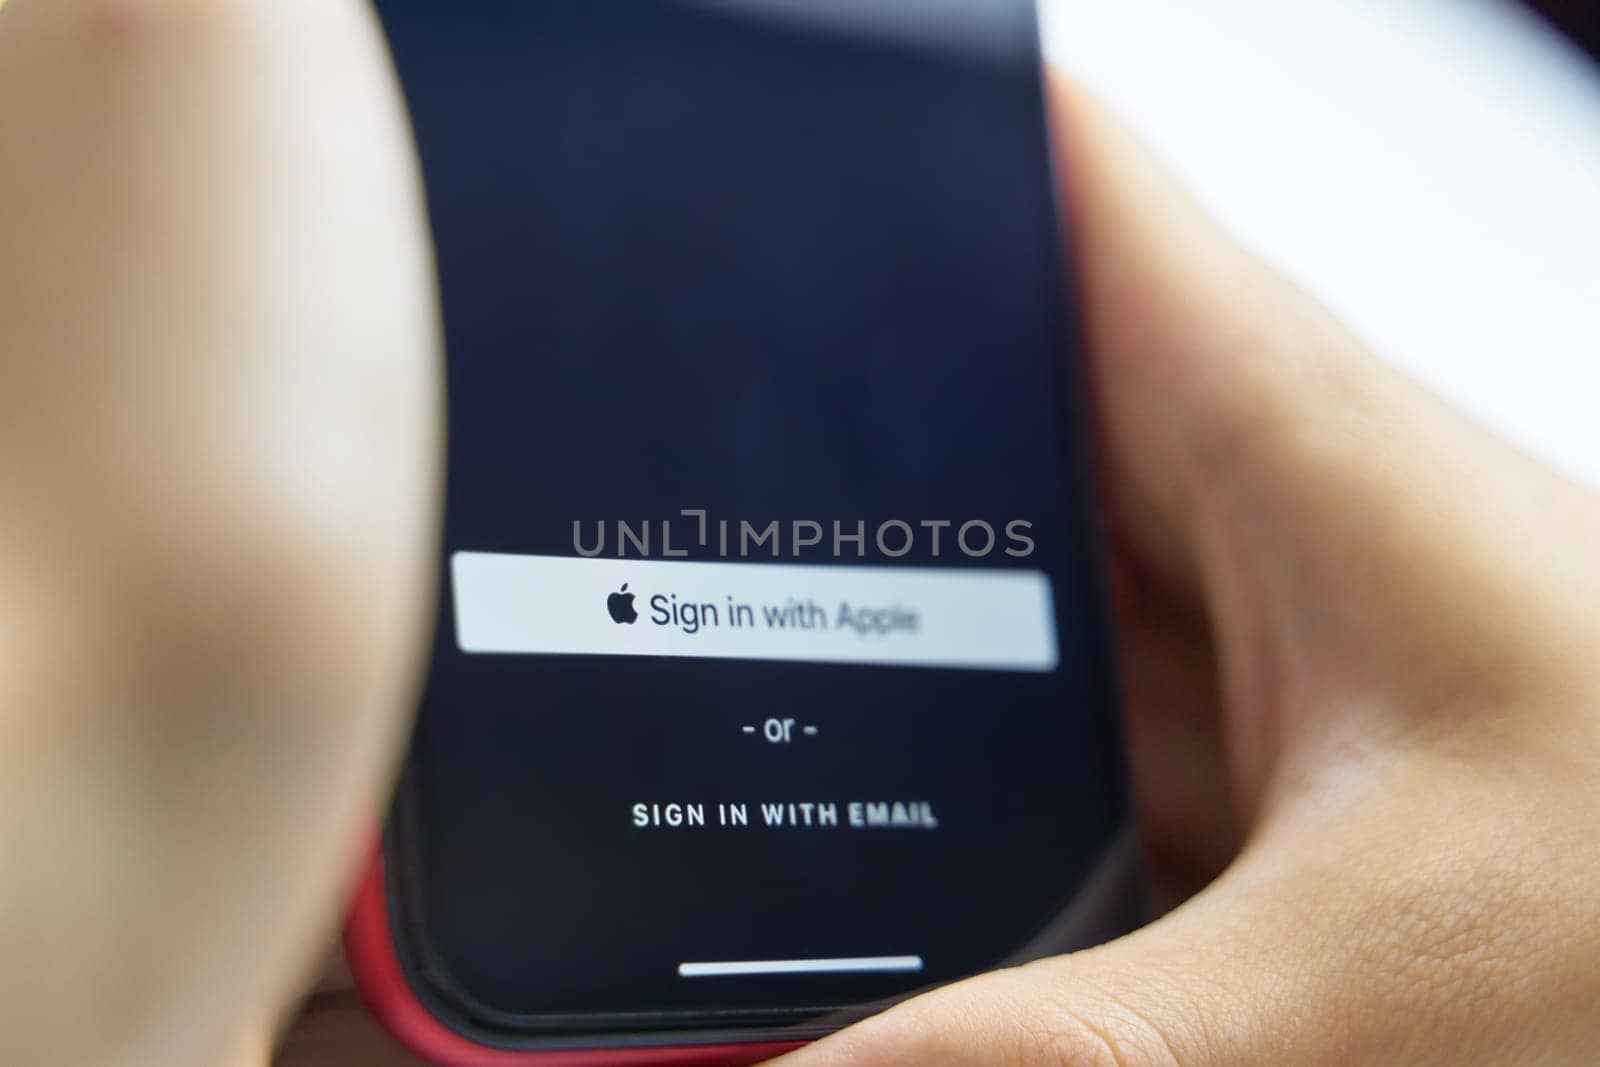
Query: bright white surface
(1429, 168)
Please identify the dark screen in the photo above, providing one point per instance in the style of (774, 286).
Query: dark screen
(728, 258)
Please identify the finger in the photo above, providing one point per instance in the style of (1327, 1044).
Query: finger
(1140, 252)
(1169, 304)
(1346, 532)
(1193, 343)
(1127, 1005)
(217, 436)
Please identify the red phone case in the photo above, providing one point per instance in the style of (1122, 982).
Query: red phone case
(382, 983)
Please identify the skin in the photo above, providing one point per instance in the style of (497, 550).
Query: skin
(219, 437)
(1358, 634)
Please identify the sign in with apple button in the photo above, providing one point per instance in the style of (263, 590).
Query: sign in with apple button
(974, 618)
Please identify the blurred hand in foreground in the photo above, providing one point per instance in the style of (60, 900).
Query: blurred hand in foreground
(1359, 634)
(219, 437)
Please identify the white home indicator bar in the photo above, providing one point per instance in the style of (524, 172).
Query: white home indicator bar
(847, 965)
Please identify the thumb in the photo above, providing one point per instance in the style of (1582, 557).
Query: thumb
(1170, 994)
(1337, 938)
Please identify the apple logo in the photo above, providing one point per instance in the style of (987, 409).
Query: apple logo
(620, 605)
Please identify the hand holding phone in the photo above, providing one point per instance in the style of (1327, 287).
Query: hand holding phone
(172, 848)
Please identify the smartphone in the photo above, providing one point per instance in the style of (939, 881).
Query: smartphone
(771, 681)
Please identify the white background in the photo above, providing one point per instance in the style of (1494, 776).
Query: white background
(1429, 168)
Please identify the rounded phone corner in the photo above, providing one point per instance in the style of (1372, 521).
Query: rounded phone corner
(385, 988)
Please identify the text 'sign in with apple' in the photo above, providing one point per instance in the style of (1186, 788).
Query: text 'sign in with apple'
(987, 619)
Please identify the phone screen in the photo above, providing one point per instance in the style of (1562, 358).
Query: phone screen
(771, 678)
